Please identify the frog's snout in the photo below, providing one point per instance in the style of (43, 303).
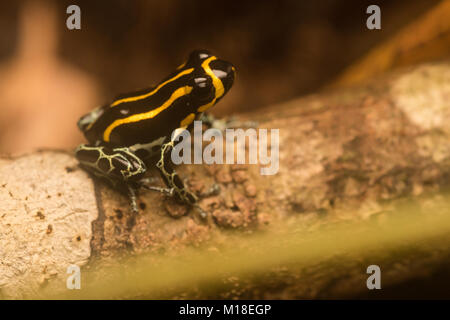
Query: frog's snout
(225, 71)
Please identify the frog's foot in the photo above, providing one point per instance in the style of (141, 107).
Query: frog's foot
(171, 193)
(148, 180)
(222, 124)
(202, 212)
(214, 190)
(133, 201)
(166, 191)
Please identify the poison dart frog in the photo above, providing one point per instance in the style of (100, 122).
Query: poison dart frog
(126, 134)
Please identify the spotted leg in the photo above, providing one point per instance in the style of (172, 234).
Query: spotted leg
(222, 124)
(173, 180)
(121, 167)
(171, 177)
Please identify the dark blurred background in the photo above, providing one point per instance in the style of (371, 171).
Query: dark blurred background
(50, 76)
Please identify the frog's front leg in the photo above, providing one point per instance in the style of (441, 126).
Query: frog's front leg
(171, 177)
(120, 166)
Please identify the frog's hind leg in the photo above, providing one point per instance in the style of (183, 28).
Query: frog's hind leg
(120, 166)
(165, 191)
(95, 160)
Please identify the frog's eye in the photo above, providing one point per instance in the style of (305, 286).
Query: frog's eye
(202, 88)
(198, 55)
(224, 71)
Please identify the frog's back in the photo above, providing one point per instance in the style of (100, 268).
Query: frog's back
(145, 115)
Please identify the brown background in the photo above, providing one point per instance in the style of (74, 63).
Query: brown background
(50, 76)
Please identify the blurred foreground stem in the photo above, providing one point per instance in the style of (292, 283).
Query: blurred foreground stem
(326, 261)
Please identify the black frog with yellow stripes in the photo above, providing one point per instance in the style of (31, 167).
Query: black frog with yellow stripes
(134, 128)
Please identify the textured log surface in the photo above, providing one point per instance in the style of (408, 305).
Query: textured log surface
(343, 156)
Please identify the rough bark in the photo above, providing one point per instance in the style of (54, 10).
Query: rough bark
(343, 155)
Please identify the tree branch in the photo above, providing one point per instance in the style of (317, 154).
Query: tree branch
(344, 156)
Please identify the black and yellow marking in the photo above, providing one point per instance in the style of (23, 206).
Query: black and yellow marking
(143, 117)
(152, 92)
(218, 85)
(171, 177)
(134, 126)
(149, 114)
(146, 115)
(107, 163)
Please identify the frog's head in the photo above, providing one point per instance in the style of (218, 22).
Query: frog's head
(213, 77)
(225, 71)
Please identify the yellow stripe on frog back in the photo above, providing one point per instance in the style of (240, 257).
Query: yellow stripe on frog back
(220, 90)
(146, 115)
(146, 95)
(187, 121)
